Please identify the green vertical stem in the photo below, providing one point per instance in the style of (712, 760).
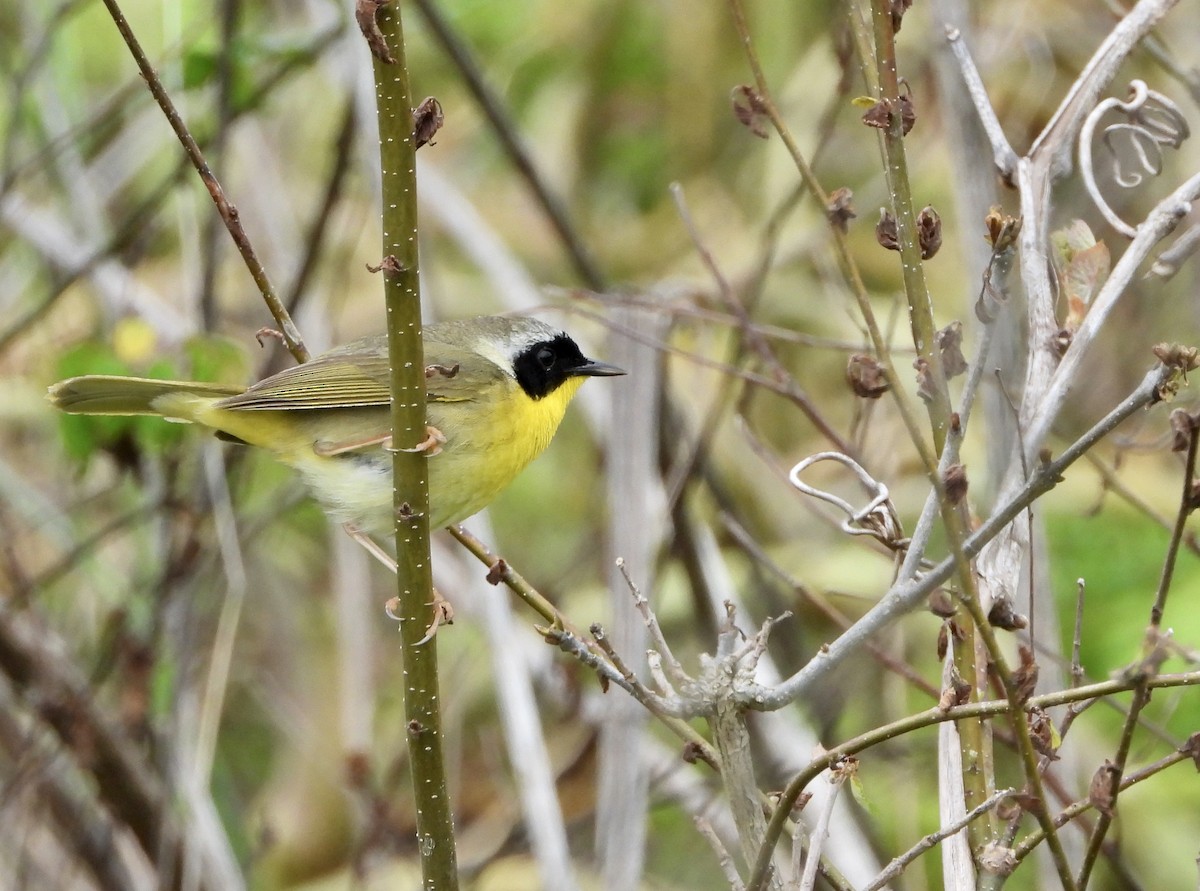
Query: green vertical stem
(435, 828)
(968, 658)
(920, 307)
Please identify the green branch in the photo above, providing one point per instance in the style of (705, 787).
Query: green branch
(435, 828)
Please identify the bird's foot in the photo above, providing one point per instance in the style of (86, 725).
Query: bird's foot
(432, 443)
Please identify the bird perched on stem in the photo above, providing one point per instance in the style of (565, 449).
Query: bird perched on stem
(497, 389)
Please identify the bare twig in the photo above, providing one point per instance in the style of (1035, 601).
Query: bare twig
(724, 860)
(226, 209)
(817, 839)
(899, 864)
(1004, 156)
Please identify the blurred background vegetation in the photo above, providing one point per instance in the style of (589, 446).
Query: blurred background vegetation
(230, 659)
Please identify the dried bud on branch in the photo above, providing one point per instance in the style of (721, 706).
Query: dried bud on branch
(899, 7)
(957, 692)
(1182, 425)
(364, 13)
(941, 604)
(949, 344)
(1191, 748)
(1002, 230)
(955, 483)
(1180, 360)
(840, 209)
(929, 232)
(1176, 355)
(1102, 794)
(1043, 734)
(924, 379)
(427, 120)
(866, 376)
(883, 113)
(997, 859)
(1025, 676)
(885, 230)
(750, 110)
(1003, 616)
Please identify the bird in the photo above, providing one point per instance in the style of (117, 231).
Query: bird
(497, 389)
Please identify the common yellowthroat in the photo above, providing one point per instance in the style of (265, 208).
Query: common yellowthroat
(497, 389)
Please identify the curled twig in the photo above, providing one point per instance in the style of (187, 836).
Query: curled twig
(877, 519)
(1153, 121)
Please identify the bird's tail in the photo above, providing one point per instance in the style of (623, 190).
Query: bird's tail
(104, 394)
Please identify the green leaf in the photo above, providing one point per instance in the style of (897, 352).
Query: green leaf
(1071, 239)
(860, 793)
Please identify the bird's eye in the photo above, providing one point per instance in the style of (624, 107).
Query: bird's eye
(546, 358)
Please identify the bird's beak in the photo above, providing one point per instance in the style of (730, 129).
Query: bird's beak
(592, 368)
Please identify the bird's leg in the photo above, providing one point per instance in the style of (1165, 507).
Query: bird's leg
(372, 546)
(443, 611)
(327, 449)
(431, 444)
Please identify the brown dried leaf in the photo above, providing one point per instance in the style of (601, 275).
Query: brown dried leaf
(949, 344)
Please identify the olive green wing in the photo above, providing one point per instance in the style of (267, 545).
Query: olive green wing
(453, 374)
(350, 376)
(357, 375)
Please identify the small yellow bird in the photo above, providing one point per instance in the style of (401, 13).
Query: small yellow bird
(497, 389)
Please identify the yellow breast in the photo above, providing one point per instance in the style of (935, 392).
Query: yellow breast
(489, 442)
